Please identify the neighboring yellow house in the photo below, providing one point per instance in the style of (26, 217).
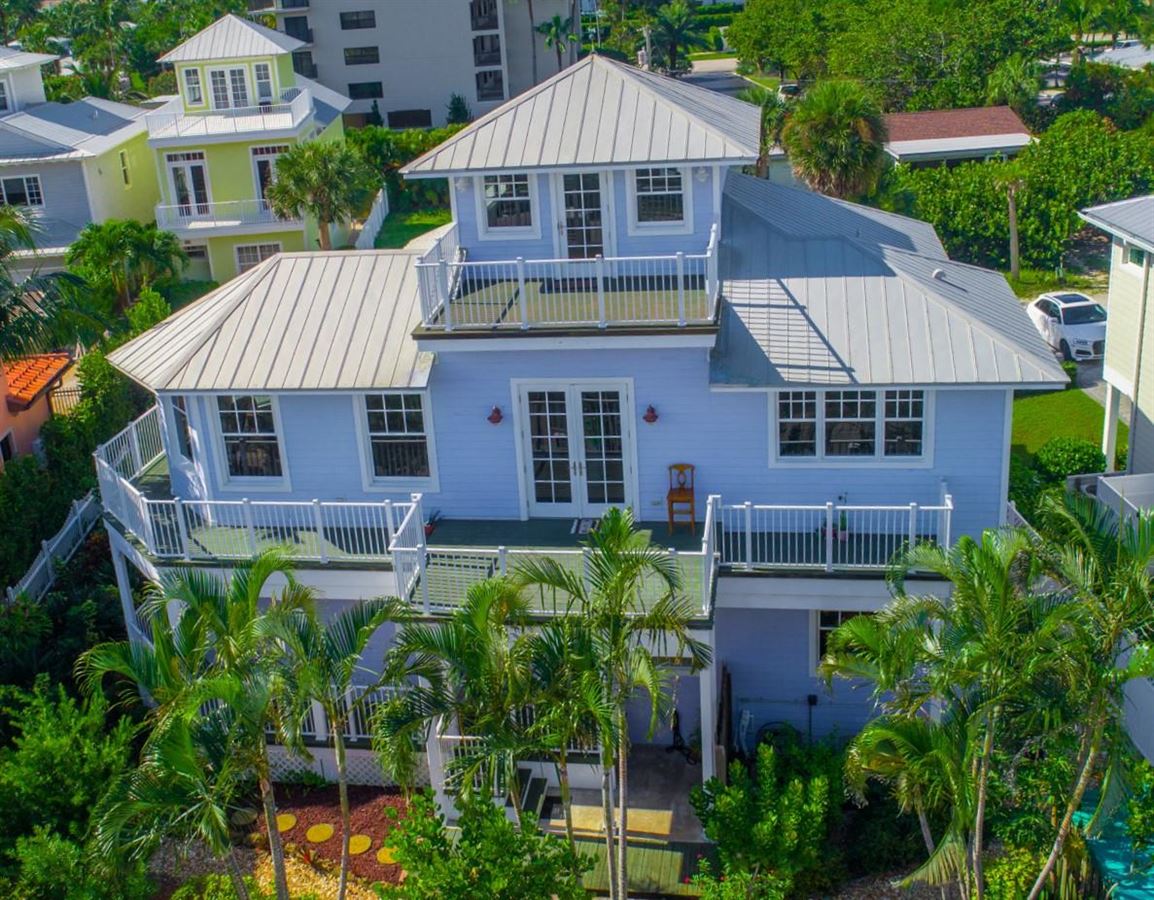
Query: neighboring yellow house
(1129, 364)
(240, 105)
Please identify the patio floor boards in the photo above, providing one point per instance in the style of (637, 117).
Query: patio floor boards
(655, 870)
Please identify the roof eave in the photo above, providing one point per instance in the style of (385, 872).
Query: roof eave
(409, 172)
(1110, 228)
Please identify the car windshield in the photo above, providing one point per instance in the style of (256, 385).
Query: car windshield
(1084, 315)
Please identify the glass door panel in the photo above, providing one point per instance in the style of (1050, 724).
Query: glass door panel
(551, 463)
(581, 200)
(603, 447)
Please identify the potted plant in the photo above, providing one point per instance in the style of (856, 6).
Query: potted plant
(431, 524)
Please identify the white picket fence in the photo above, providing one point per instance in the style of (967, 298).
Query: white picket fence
(57, 550)
(367, 239)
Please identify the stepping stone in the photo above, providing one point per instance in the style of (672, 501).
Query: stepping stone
(385, 856)
(359, 843)
(319, 833)
(285, 822)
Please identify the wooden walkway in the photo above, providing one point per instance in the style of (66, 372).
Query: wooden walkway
(657, 869)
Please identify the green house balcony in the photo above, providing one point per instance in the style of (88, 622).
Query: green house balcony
(190, 220)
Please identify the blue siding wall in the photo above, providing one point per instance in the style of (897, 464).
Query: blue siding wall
(767, 653)
(701, 213)
(65, 197)
(488, 249)
(726, 434)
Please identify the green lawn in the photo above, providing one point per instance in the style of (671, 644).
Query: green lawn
(1070, 413)
(769, 82)
(714, 54)
(1036, 281)
(401, 227)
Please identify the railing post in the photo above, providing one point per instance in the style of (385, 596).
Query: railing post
(502, 563)
(829, 536)
(681, 288)
(319, 522)
(600, 267)
(423, 568)
(250, 530)
(390, 525)
(949, 515)
(913, 523)
(134, 446)
(182, 529)
(749, 534)
(443, 293)
(522, 300)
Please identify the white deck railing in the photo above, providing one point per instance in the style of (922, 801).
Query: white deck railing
(203, 216)
(173, 528)
(677, 289)
(173, 121)
(57, 550)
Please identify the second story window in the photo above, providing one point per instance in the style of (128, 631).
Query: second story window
(249, 256)
(362, 56)
(366, 90)
(180, 425)
(1135, 256)
(248, 431)
(23, 190)
(797, 423)
(262, 73)
(229, 88)
(660, 196)
(398, 436)
(904, 419)
(508, 203)
(361, 18)
(193, 93)
(841, 425)
(850, 423)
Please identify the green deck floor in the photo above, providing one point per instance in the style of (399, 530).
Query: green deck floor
(655, 870)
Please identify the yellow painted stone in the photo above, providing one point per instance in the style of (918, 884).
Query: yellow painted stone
(359, 843)
(385, 856)
(285, 822)
(319, 833)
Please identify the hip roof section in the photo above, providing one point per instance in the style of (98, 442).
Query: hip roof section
(231, 37)
(1131, 219)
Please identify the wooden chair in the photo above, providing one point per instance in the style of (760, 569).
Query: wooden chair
(680, 503)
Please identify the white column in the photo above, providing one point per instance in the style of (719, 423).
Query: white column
(1110, 427)
(707, 679)
(124, 586)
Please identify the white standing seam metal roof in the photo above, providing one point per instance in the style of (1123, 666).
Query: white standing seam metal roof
(935, 148)
(231, 37)
(296, 322)
(599, 112)
(10, 58)
(1131, 219)
(865, 302)
(86, 128)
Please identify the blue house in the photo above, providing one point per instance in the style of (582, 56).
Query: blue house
(612, 297)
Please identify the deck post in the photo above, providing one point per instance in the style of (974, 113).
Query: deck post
(601, 319)
(390, 525)
(681, 288)
(523, 301)
(134, 446)
(502, 563)
(443, 293)
(319, 522)
(250, 531)
(124, 588)
(829, 525)
(423, 568)
(749, 534)
(913, 524)
(182, 529)
(320, 722)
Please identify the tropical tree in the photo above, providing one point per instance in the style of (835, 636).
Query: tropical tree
(835, 138)
(127, 256)
(1015, 82)
(629, 599)
(559, 35)
(774, 114)
(328, 181)
(325, 659)
(1081, 17)
(675, 29)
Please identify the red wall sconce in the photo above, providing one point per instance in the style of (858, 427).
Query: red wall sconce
(495, 416)
(650, 414)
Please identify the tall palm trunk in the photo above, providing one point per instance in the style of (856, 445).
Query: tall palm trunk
(980, 814)
(235, 875)
(532, 36)
(1012, 209)
(622, 804)
(324, 238)
(566, 797)
(275, 844)
(607, 811)
(927, 834)
(343, 790)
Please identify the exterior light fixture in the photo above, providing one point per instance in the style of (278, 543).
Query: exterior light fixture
(463, 184)
(495, 416)
(650, 414)
(702, 174)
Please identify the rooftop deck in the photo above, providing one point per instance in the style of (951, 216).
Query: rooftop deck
(172, 123)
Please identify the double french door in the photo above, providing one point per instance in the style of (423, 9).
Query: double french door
(189, 183)
(577, 448)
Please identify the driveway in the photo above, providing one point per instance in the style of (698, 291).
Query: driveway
(718, 75)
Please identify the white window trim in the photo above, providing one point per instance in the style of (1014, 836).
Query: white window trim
(183, 87)
(1126, 248)
(877, 460)
(253, 483)
(249, 87)
(271, 81)
(520, 233)
(43, 204)
(9, 97)
(168, 165)
(377, 485)
(183, 462)
(814, 632)
(635, 228)
(236, 252)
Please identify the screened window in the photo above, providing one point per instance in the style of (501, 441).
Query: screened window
(850, 423)
(3, 97)
(398, 441)
(250, 255)
(660, 196)
(248, 429)
(828, 621)
(263, 75)
(797, 423)
(361, 18)
(904, 421)
(193, 93)
(181, 426)
(366, 90)
(1135, 256)
(23, 190)
(508, 203)
(362, 56)
(490, 85)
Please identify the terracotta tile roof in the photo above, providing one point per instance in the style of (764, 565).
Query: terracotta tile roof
(937, 124)
(31, 376)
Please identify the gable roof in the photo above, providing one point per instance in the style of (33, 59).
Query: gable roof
(600, 112)
(1131, 219)
(11, 58)
(30, 376)
(860, 300)
(955, 132)
(231, 37)
(298, 321)
(88, 127)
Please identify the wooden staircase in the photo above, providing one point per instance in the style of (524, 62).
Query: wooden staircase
(533, 794)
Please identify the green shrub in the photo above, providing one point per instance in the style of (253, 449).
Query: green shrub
(1026, 484)
(1061, 457)
(50, 867)
(1011, 875)
(1071, 369)
(149, 309)
(219, 887)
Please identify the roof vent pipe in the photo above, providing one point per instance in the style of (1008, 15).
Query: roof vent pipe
(938, 275)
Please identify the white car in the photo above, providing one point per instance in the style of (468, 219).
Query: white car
(1072, 323)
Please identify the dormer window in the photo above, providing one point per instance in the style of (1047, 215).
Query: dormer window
(508, 202)
(193, 92)
(263, 74)
(658, 201)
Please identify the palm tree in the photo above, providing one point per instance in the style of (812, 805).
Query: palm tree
(1015, 82)
(835, 138)
(675, 29)
(1081, 18)
(774, 114)
(1105, 563)
(559, 35)
(326, 659)
(326, 180)
(127, 255)
(629, 600)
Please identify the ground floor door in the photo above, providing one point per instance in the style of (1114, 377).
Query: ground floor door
(577, 448)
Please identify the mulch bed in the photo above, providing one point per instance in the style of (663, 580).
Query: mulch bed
(369, 816)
